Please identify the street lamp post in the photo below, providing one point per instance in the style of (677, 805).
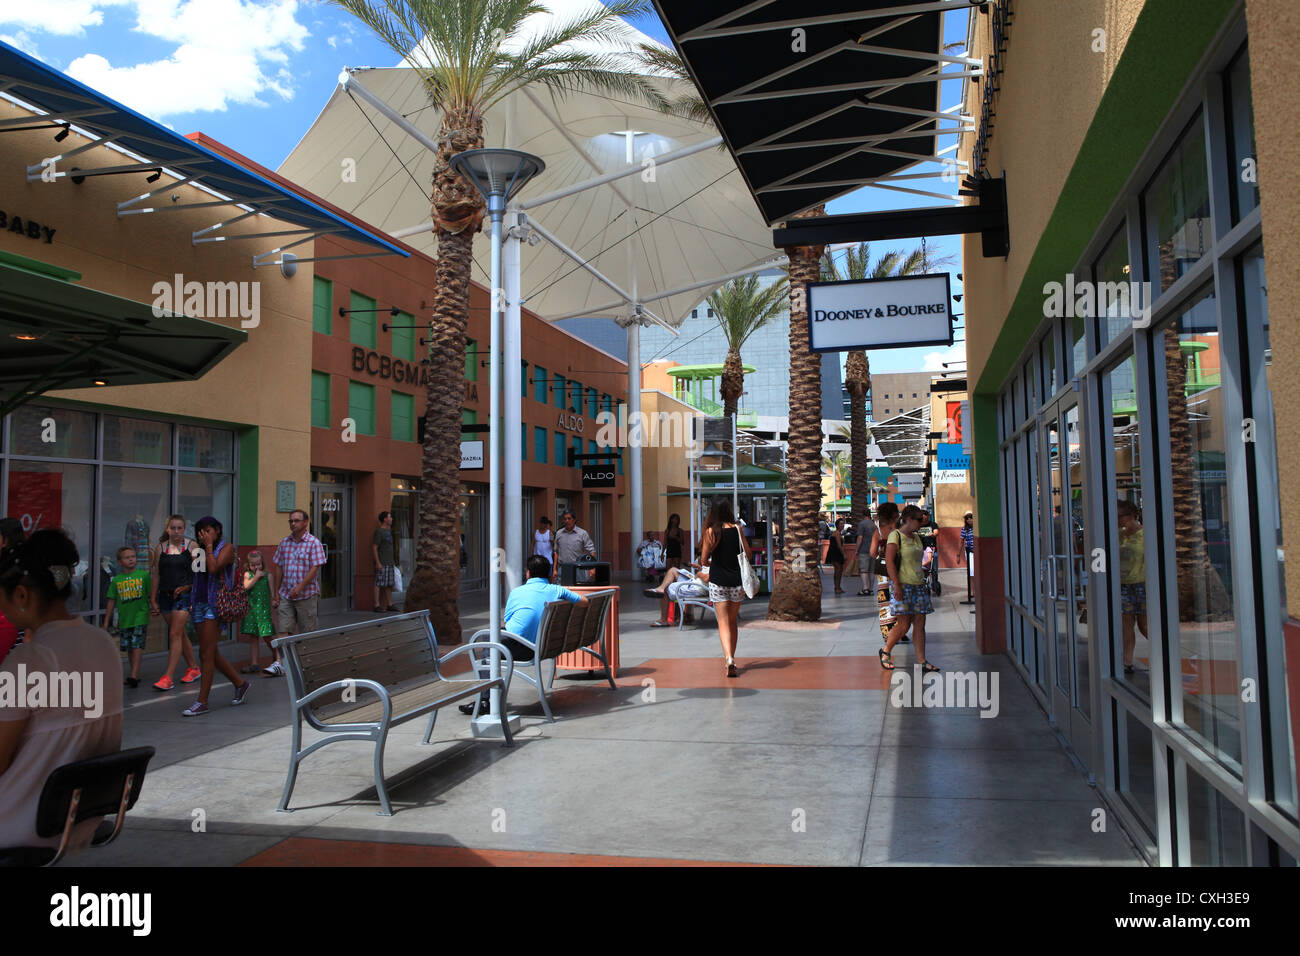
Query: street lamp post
(498, 175)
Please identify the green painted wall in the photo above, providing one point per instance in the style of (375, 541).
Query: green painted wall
(1168, 39)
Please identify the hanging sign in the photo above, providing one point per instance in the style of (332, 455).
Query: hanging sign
(890, 313)
(949, 457)
(599, 476)
(471, 454)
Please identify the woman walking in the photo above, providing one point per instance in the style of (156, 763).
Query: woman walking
(909, 597)
(720, 553)
(219, 559)
(673, 542)
(835, 553)
(173, 579)
(1132, 579)
(886, 521)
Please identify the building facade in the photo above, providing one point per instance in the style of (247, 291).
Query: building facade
(1134, 485)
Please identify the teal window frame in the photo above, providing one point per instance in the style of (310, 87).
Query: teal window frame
(362, 324)
(539, 444)
(322, 306)
(402, 417)
(357, 410)
(320, 399)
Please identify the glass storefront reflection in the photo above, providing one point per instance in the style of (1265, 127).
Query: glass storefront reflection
(58, 495)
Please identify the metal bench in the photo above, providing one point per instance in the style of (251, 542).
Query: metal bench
(103, 786)
(564, 628)
(702, 602)
(356, 681)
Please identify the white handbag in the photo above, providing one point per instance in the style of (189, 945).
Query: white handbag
(748, 579)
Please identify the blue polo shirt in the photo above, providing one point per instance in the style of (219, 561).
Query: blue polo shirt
(523, 611)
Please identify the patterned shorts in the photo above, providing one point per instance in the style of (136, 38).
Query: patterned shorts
(132, 638)
(1133, 598)
(719, 593)
(914, 600)
(384, 576)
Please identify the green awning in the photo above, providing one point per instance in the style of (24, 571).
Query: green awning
(59, 335)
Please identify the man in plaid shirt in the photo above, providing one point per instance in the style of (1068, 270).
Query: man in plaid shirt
(296, 566)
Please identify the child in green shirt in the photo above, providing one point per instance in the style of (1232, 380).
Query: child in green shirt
(128, 592)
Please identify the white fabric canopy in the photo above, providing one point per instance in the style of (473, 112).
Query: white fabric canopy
(694, 218)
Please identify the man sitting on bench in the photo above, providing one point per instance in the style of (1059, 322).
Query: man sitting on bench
(523, 614)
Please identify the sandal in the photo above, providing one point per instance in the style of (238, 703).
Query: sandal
(886, 660)
(928, 668)
(660, 624)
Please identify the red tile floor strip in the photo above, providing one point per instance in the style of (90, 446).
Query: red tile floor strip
(305, 851)
(765, 673)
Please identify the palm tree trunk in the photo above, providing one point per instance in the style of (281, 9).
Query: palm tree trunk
(798, 592)
(857, 376)
(1201, 594)
(458, 211)
(733, 382)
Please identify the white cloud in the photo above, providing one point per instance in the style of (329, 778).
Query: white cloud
(61, 17)
(933, 361)
(22, 41)
(225, 51)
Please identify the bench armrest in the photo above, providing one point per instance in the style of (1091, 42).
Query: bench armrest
(476, 644)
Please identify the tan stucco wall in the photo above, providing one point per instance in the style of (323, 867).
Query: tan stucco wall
(1273, 26)
(1036, 137)
(264, 382)
(664, 468)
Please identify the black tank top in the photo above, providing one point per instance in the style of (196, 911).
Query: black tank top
(174, 571)
(724, 563)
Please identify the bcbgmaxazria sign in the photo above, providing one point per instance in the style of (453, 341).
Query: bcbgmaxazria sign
(879, 313)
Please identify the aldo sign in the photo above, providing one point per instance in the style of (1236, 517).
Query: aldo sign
(879, 313)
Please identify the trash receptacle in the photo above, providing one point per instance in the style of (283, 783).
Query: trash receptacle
(585, 573)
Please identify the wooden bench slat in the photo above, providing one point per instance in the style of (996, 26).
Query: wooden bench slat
(371, 709)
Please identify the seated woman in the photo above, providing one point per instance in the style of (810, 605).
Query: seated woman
(37, 736)
(679, 583)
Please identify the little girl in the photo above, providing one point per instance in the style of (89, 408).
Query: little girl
(257, 623)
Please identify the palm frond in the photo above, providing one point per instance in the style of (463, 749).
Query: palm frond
(743, 306)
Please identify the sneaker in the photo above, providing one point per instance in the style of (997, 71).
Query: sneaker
(240, 692)
(195, 709)
(133, 682)
(191, 675)
(164, 683)
(275, 670)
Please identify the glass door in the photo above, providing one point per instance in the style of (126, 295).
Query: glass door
(331, 522)
(1066, 566)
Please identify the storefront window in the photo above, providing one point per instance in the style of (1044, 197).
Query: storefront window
(136, 440)
(1241, 137)
(1216, 828)
(1135, 779)
(1177, 207)
(58, 495)
(405, 506)
(1202, 531)
(200, 494)
(46, 432)
(1112, 266)
(201, 447)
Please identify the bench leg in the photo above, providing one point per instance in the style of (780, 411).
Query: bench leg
(428, 733)
(604, 654)
(292, 777)
(387, 810)
(541, 691)
(505, 723)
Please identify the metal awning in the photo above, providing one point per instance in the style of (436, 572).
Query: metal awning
(904, 439)
(815, 102)
(149, 148)
(58, 335)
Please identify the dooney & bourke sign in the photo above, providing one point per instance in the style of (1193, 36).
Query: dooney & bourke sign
(879, 313)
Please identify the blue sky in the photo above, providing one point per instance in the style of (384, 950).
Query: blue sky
(254, 74)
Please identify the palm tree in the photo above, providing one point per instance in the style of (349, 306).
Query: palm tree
(458, 49)
(742, 307)
(798, 592)
(856, 264)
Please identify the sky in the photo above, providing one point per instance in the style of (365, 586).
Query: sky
(254, 74)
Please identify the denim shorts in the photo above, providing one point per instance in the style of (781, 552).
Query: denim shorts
(167, 603)
(202, 611)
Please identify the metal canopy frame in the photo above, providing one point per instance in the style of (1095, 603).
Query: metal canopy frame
(147, 147)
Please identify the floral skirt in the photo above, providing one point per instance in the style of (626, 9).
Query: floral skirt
(915, 599)
(1133, 598)
(719, 593)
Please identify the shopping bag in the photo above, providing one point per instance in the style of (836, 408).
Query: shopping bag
(748, 579)
(397, 580)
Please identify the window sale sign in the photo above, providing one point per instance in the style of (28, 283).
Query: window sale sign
(894, 313)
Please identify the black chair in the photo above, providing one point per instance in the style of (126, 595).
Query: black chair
(103, 786)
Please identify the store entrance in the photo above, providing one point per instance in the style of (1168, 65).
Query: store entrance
(332, 521)
(1067, 609)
